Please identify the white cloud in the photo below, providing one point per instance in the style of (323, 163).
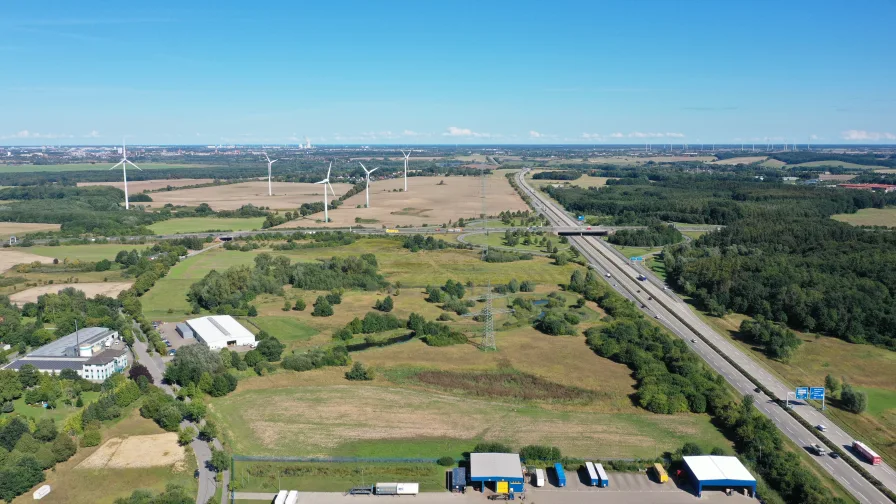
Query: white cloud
(814, 137)
(411, 133)
(93, 134)
(535, 134)
(593, 136)
(31, 134)
(638, 134)
(616, 135)
(867, 135)
(454, 131)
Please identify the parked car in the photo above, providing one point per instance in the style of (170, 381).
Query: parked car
(172, 351)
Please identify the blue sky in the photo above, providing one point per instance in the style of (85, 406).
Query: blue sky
(413, 72)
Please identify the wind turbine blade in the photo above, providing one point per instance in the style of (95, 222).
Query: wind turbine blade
(373, 170)
(266, 157)
(331, 187)
(322, 182)
(328, 171)
(274, 161)
(117, 165)
(362, 166)
(132, 164)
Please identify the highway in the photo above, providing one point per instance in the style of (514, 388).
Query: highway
(673, 313)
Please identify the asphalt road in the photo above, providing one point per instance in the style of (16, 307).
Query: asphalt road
(207, 484)
(678, 318)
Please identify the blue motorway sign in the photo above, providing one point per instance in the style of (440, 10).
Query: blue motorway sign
(637, 258)
(802, 392)
(816, 393)
(581, 217)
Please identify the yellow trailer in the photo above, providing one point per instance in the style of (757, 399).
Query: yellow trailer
(660, 473)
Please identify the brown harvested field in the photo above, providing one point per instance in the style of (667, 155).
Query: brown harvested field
(11, 257)
(425, 202)
(8, 229)
(840, 178)
(287, 195)
(741, 160)
(885, 170)
(110, 289)
(149, 185)
(155, 450)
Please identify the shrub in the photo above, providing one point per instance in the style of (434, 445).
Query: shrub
(343, 334)
(491, 447)
(90, 438)
(384, 305)
(543, 453)
(358, 373)
(300, 305)
(446, 461)
(322, 308)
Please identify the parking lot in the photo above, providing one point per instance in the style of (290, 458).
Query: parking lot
(619, 482)
(167, 330)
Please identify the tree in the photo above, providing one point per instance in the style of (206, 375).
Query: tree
(219, 460)
(137, 370)
(343, 334)
(854, 401)
(286, 305)
(252, 357)
(19, 478)
(28, 376)
(63, 447)
(252, 312)
(384, 305)
(690, 449)
(208, 431)
(358, 373)
(185, 435)
(91, 437)
(223, 384)
(10, 385)
(832, 384)
(46, 430)
(11, 432)
(189, 364)
(322, 308)
(300, 305)
(103, 265)
(270, 349)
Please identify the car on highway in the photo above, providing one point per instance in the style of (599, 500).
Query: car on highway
(835, 455)
(693, 340)
(757, 390)
(821, 427)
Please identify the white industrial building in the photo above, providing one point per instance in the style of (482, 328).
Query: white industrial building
(95, 353)
(220, 331)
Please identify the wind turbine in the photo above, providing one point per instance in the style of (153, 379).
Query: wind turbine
(406, 156)
(326, 183)
(269, 171)
(124, 171)
(367, 187)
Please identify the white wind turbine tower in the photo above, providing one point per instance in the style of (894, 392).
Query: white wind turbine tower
(406, 156)
(326, 183)
(367, 187)
(124, 171)
(269, 171)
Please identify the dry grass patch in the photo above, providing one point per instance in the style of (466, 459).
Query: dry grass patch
(741, 160)
(18, 229)
(155, 450)
(426, 202)
(110, 289)
(287, 195)
(11, 257)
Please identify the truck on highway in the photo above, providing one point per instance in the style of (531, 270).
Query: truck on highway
(292, 497)
(866, 453)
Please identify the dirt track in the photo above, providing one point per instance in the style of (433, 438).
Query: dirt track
(137, 451)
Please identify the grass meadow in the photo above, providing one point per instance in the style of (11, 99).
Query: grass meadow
(202, 224)
(93, 252)
(870, 217)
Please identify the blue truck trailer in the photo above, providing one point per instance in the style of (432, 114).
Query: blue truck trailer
(561, 474)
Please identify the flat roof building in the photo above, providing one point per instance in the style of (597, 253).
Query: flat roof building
(88, 351)
(504, 470)
(220, 331)
(718, 472)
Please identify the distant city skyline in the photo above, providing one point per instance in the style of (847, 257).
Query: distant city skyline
(424, 73)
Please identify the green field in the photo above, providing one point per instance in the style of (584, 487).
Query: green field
(870, 217)
(201, 224)
(84, 252)
(170, 292)
(57, 415)
(286, 329)
(333, 477)
(96, 166)
(496, 239)
(834, 163)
